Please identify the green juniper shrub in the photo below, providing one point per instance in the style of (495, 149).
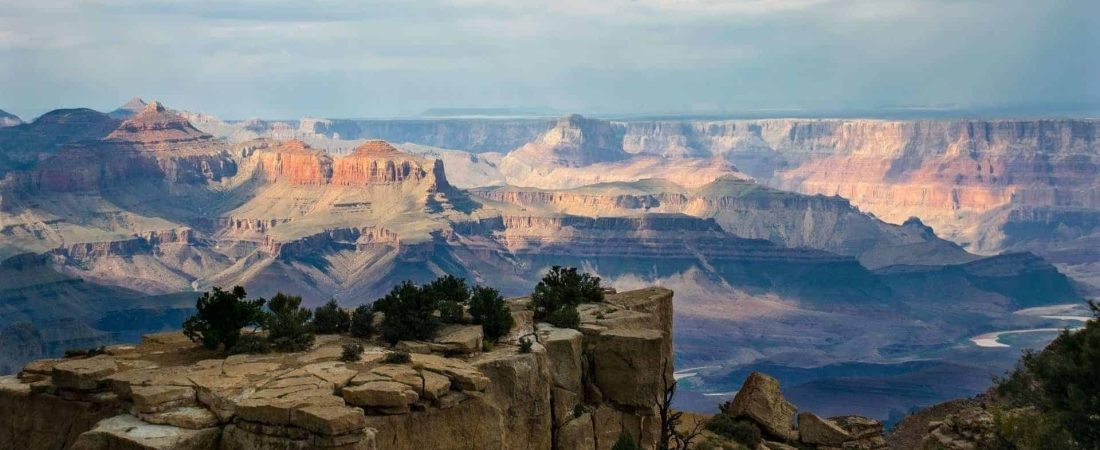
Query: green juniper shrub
(451, 293)
(565, 317)
(1027, 428)
(409, 314)
(525, 345)
(557, 296)
(331, 319)
(625, 442)
(251, 343)
(578, 410)
(740, 430)
(362, 321)
(352, 353)
(287, 324)
(220, 315)
(488, 309)
(1060, 382)
(85, 352)
(397, 357)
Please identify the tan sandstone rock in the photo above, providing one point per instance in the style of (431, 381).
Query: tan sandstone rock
(389, 397)
(761, 400)
(815, 430)
(130, 433)
(83, 374)
(628, 366)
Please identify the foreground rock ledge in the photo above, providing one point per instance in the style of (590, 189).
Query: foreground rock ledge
(574, 390)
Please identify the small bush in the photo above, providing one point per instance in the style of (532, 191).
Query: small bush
(219, 317)
(578, 411)
(362, 321)
(1060, 381)
(488, 309)
(251, 343)
(331, 319)
(742, 431)
(564, 289)
(397, 357)
(287, 324)
(451, 293)
(85, 352)
(409, 314)
(351, 353)
(625, 442)
(566, 317)
(525, 345)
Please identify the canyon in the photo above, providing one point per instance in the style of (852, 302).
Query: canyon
(127, 215)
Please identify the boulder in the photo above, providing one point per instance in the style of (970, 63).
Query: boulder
(189, 417)
(389, 397)
(127, 432)
(815, 430)
(150, 399)
(428, 384)
(627, 365)
(462, 375)
(329, 420)
(464, 339)
(761, 401)
(414, 347)
(83, 374)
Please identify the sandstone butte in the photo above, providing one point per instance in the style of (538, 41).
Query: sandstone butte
(573, 390)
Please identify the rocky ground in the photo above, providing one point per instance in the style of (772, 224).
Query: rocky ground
(573, 390)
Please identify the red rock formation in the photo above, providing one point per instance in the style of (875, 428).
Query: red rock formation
(155, 125)
(377, 162)
(295, 163)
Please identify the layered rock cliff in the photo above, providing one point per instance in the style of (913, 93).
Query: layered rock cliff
(573, 390)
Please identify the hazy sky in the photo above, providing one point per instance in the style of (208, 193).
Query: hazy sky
(355, 58)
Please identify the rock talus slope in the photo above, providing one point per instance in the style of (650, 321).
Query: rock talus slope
(573, 390)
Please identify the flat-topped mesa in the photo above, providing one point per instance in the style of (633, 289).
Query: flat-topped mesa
(574, 141)
(574, 390)
(296, 163)
(154, 125)
(372, 163)
(378, 162)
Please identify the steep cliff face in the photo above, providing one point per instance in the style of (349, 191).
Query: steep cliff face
(372, 163)
(749, 210)
(948, 173)
(579, 151)
(575, 390)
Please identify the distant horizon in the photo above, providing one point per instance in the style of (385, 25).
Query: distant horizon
(628, 58)
(1078, 111)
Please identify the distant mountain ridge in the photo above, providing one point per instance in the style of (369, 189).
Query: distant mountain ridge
(9, 120)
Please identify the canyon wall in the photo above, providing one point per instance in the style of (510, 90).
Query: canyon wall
(575, 390)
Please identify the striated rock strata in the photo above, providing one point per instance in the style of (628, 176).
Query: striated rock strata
(573, 390)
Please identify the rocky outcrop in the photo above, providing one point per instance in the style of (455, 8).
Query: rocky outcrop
(376, 162)
(372, 163)
(156, 125)
(168, 393)
(760, 402)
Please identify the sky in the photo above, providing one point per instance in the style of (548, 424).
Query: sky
(282, 59)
